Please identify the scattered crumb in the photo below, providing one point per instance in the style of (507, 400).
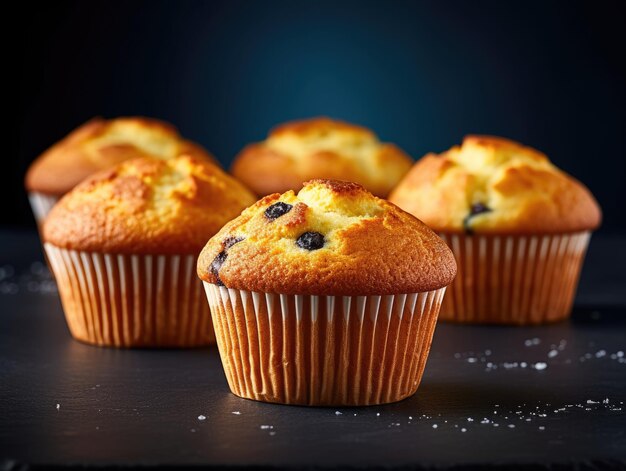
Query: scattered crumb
(37, 279)
(435, 425)
(58, 406)
(463, 430)
(540, 365)
(338, 413)
(236, 412)
(532, 342)
(541, 427)
(201, 417)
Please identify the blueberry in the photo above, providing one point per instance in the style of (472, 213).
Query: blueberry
(216, 264)
(478, 208)
(218, 261)
(277, 210)
(230, 241)
(310, 241)
(475, 209)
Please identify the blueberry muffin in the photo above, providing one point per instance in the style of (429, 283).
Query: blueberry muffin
(97, 145)
(325, 297)
(519, 228)
(320, 148)
(123, 245)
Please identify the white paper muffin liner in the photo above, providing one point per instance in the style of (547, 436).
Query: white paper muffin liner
(323, 350)
(41, 205)
(514, 279)
(131, 300)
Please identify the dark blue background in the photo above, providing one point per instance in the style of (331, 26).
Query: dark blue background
(421, 74)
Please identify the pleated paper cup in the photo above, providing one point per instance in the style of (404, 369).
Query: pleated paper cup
(514, 279)
(323, 350)
(41, 205)
(131, 300)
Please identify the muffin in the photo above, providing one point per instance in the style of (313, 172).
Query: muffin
(518, 226)
(327, 297)
(123, 244)
(320, 148)
(97, 145)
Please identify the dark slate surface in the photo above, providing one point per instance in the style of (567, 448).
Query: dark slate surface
(64, 403)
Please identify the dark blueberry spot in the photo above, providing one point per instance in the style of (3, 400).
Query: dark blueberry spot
(230, 241)
(310, 241)
(216, 264)
(218, 261)
(277, 210)
(475, 209)
(478, 208)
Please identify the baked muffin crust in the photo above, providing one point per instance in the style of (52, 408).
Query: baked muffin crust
(147, 206)
(494, 185)
(332, 238)
(298, 151)
(100, 144)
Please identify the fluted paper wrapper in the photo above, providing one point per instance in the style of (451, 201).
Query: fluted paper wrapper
(41, 205)
(323, 350)
(514, 279)
(132, 300)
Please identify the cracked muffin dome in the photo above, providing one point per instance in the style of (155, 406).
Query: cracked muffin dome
(147, 206)
(100, 144)
(495, 185)
(320, 148)
(332, 238)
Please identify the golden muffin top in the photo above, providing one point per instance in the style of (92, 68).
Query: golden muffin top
(100, 144)
(494, 185)
(332, 238)
(320, 148)
(147, 206)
